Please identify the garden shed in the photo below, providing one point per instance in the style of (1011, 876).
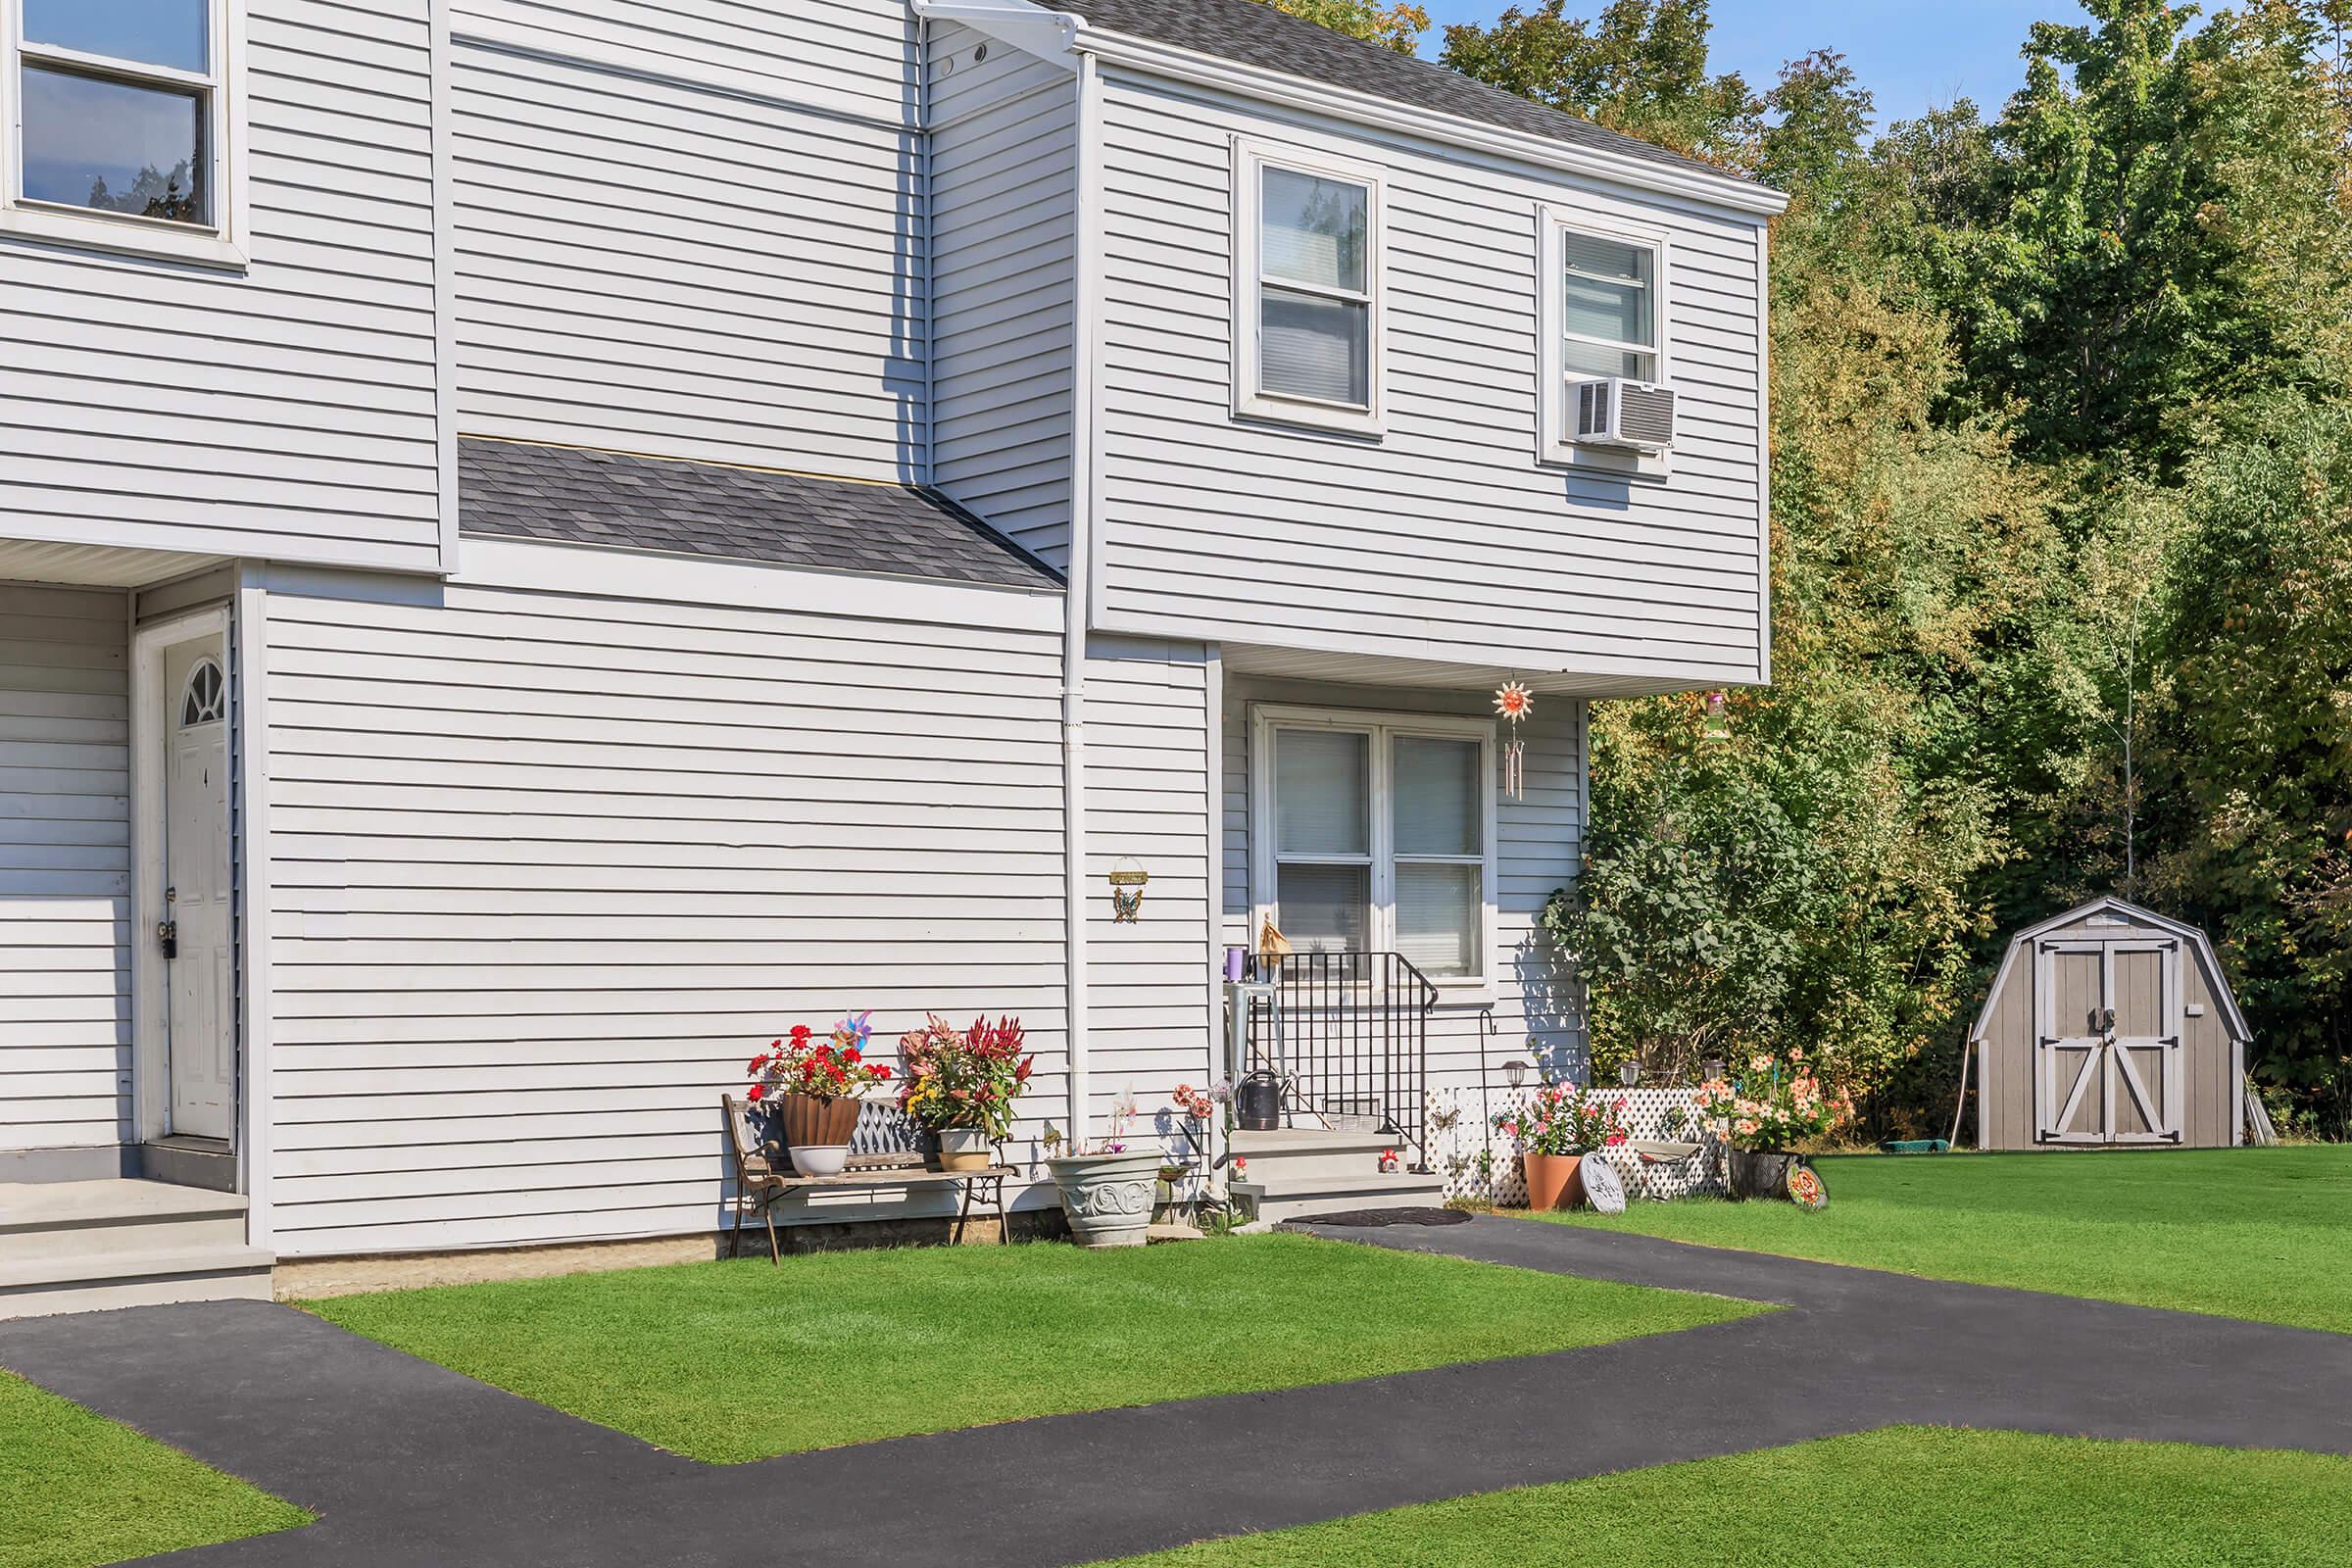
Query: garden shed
(2110, 1025)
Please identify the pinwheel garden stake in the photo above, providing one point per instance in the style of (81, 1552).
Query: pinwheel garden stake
(1512, 701)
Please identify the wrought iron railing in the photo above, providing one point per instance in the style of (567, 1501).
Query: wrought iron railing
(1349, 1033)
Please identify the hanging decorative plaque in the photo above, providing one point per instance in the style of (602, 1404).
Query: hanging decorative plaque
(1127, 893)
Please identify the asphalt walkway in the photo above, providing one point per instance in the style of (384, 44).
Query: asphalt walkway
(410, 1464)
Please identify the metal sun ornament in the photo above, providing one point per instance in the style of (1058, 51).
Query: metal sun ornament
(1513, 701)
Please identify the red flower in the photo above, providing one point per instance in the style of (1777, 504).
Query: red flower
(758, 1092)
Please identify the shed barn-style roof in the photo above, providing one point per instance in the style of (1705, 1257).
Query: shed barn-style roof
(573, 495)
(2192, 940)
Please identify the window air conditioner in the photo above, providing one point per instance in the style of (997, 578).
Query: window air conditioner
(1617, 413)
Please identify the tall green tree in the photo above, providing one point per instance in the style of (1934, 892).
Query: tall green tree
(1641, 67)
(2156, 234)
(1395, 26)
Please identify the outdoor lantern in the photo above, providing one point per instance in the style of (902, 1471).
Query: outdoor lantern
(1715, 727)
(1629, 1074)
(1515, 1072)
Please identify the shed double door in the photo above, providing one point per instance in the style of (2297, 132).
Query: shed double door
(2107, 1051)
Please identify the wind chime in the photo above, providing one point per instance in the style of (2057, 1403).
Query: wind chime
(1512, 701)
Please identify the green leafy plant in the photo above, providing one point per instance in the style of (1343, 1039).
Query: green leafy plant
(966, 1078)
(1563, 1119)
(1774, 1105)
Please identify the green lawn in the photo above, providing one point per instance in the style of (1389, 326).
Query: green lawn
(1914, 1496)
(733, 1362)
(78, 1490)
(2252, 1233)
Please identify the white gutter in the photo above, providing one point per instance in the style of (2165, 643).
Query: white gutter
(1087, 293)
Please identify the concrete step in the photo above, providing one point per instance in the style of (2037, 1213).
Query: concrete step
(1295, 1157)
(1332, 1195)
(40, 1287)
(97, 1219)
(206, 1162)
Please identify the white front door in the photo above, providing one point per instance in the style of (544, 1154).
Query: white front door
(197, 934)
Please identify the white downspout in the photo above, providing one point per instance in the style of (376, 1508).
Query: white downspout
(1086, 291)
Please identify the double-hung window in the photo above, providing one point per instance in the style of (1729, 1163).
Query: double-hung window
(1376, 833)
(1602, 288)
(1306, 290)
(118, 121)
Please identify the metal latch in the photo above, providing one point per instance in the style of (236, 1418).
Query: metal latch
(166, 930)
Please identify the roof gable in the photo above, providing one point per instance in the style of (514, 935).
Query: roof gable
(1253, 33)
(2199, 946)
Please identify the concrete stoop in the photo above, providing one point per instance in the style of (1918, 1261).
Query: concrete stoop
(90, 1246)
(1307, 1171)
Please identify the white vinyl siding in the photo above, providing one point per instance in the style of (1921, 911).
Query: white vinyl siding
(288, 410)
(548, 868)
(848, 55)
(65, 869)
(1444, 540)
(1003, 197)
(1148, 796)
(1537, 843)
(660, 265)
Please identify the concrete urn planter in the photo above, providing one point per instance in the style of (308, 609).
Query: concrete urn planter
(1107, 1198)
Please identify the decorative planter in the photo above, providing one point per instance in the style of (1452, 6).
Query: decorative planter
(965, 1149)
(1107, 1198)
(1554, 1181)
(1760, 1172)
(817, 1129)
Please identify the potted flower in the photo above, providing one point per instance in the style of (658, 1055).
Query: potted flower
(1557, 1128)
(1776, 1107)
(1107, 1193)
(960, 1085)
(812, 1085)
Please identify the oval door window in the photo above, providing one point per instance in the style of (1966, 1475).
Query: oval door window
(207, 696)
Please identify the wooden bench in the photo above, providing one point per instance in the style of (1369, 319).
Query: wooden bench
(882, 1155)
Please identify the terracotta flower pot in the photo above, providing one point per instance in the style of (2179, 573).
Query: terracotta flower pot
(1554, 1181)
(818, 1130)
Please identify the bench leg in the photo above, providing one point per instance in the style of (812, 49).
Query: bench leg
(776, 1253)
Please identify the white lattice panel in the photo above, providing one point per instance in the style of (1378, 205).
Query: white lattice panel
(1479, 1164)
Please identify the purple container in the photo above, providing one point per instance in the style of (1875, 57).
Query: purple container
(1237, 962)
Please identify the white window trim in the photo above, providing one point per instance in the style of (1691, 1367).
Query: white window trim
(1554, 445)
(222, 243)
(1251, 400)
(1382, 728)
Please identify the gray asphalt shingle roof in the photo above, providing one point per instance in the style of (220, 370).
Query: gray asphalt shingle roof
(512, 489)
(1253, 33)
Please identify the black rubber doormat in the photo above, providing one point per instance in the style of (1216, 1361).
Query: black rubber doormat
(1373, 1218)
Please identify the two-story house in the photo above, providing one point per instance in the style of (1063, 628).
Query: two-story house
(541, 543)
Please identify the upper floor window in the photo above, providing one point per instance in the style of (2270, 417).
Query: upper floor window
(1376, 833)
(1602, 311)
(120, 116)
(1307, 346)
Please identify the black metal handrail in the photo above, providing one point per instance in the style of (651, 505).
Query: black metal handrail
(1352, 1037)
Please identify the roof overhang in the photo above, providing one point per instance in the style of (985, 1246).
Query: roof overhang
(1047, 33)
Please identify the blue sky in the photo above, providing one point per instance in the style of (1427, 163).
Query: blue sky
(1912, 55)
